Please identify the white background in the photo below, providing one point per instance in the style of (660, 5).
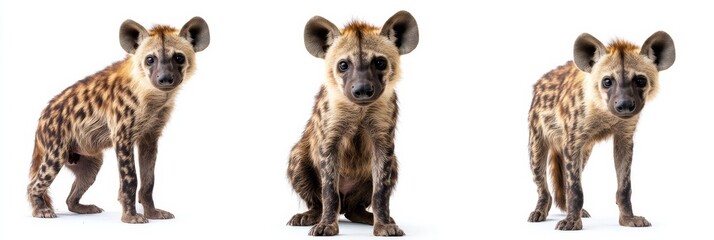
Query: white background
(462, 134)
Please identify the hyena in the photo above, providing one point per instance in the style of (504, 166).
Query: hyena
(126, 104)
(345, 160)
(597, 95)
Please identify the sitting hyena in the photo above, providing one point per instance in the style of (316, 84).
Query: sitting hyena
(126, 104)
(598, 95)
(345, 160)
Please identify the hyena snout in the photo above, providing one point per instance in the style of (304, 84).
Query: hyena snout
(362, 91)
(166, 80)
(625, 106)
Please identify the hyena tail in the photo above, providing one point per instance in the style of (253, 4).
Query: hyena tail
(556, 176)
(37, 156)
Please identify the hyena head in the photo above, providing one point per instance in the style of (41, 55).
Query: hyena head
(362, 60)
(623, 74)
(164, 55)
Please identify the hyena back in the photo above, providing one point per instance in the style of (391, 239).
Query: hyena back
(345, 160)
(598, 95)
(126, 104)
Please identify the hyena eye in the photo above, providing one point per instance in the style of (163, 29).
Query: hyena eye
(179, 58)
(640, 81)
(343, 66)
(380, 63)
(150, 60)
(606, 82)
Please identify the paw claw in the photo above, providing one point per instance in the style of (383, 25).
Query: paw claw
(158, 214)
(44, 213)
(324, 229)
(537, 216)
(308, 218)
(387, 230)
(85, 209)
(634, 221)
(137, 218)
(569, 224)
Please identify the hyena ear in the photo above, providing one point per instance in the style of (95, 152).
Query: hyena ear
(320, 34)
(131, 34)
(403, 31)
(196, 32)
(660, 48)
(587, 51)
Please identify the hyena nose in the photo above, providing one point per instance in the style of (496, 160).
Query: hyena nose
(625, 106)
(166, 80)
(362, 90)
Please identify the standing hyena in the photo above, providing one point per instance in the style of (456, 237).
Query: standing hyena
(573, 108)
(126, 104)
(345, 160)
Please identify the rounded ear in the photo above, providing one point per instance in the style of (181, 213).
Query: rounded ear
(660, 48)
(130, 35)
(320, 34)
(196, 32)
(403, 31)
(587, 51)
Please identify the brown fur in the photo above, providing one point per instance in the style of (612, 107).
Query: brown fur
(345, 160)
(598, 95)
(126, 104)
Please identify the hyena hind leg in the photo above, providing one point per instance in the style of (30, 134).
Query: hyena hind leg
(85, 170)
(306, 182)
(43, 173)
(538, 162)
(356, 203)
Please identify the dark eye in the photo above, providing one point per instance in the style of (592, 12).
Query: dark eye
(343, 66)
(606, 82)
(179, 58)
(640, 81)
(150, 60)
(380, 64)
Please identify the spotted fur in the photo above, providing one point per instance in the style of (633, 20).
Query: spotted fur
(345, 160)
(125, 105)
(598, 95)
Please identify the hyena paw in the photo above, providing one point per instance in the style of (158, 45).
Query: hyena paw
(325, 229)
(387, 230)
(584, 214)
(85, 209)
(158, 214)
(136, 218)
(569, 224)
(537, 216)
(634, 221)
(44, 213)
(304, 219)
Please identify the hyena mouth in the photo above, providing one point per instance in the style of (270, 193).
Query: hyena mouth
(364, 103)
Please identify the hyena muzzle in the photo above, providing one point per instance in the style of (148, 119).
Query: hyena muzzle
(598, 95)
(345, 160)
(126, 104)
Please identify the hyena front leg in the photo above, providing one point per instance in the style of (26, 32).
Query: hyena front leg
(85, 169)
(573, 154)
(147, 160)
(329, 176)
(623, 162)
(538, 155)
(305, 180)
(384, 177)
(51, 163)
(128, 181)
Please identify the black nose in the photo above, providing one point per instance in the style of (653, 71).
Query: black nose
(362, 90)
(624, 106)
(166, 80)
